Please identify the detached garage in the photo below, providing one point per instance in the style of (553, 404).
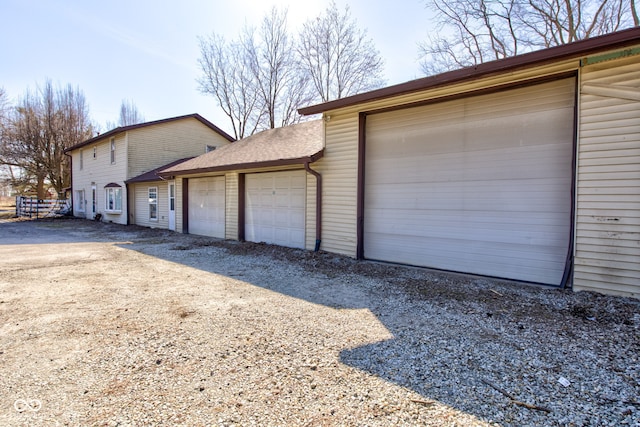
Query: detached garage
(524, 168)
(262, 188)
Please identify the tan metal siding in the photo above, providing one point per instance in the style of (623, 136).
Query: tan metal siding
(339, 169)
(607, 255)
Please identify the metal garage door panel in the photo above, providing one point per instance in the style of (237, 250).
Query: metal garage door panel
(479, 185)
(207, 206)
(275, 208)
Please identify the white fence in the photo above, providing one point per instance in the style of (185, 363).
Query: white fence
(33, 207)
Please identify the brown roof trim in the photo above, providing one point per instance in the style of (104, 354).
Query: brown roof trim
(245, 166)
(583, 47)
(156, 122)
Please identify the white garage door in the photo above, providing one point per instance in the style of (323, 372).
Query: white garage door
(207, 206)
(275, 208)
(479, 185)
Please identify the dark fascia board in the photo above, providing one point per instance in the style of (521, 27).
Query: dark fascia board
(246, 166)
(540, 57)
(121, 129)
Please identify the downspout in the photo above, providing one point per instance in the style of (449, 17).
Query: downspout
(318, 204)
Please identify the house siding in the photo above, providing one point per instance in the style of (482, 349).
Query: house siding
(607, 256)
(153, 146)
(101, 171)
(141, 200)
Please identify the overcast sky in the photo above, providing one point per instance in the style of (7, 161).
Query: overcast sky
(146, 51)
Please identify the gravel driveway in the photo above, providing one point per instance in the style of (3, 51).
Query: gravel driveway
(105, 325)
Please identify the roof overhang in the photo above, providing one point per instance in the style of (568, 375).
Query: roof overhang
(246, 166)
(617, 40)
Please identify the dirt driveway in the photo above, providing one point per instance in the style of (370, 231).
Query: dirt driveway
(107, 325)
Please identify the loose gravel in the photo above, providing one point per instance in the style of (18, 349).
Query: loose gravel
(105, 325)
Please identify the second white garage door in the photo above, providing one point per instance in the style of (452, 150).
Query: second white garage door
(207, 206)
(275, 208)
(478, 185)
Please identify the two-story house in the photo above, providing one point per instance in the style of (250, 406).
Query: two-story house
(103, 165)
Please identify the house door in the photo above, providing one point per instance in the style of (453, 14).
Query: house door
(92, 214)
(172, 206)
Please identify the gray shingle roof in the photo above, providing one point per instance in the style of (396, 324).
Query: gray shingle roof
(296, 144)
(153, 175)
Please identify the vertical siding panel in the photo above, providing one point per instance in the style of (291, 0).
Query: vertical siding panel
(339, 169)
(607, 255)
(310, 222)
(231, 206)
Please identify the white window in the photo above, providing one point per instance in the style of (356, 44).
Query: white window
(81, 160)
(153, 203)
(113, 150)
(80, 201)
(113, 199)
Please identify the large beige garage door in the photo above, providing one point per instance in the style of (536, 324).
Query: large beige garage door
(275, 208)
(479, 185)
(207, 206)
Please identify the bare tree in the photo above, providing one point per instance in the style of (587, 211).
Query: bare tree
(469, 32)
(227, 75)
(129, 114)
(271, 55)
(38, 129)
(337, 57)
(255, 79)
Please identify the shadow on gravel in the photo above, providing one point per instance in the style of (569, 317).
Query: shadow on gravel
(498, 350)
(504, 352)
